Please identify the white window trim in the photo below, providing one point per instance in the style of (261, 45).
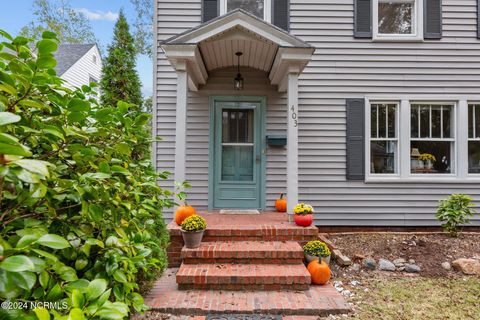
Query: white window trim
(418, 24)
(460, 169)
(467, 107)
(267, 10)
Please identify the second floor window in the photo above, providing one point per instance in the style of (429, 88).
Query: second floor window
(397, 19)
(259, 8)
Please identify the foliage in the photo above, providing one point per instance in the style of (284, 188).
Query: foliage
(426, 157)
(58, 16)
(316, 248)
(455, 211)
(143, 32)
(120, 80)
(303, 209)
(194, 223)
(80, 212)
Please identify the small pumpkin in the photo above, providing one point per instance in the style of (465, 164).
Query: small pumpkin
(303, 220)
(281, 204)
(184, 212)
(319, 271)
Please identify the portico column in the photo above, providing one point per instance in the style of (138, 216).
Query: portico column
(292, 139)
(181, 121)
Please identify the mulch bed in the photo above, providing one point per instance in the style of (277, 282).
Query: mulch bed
(428, 250)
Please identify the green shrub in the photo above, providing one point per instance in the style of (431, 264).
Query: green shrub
(455, 211)
(316, 248)
(80, 208)
(194, 223)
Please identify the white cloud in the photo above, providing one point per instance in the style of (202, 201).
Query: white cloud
(98, 15)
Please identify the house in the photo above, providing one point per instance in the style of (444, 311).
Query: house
(367, 109)
(79, 64)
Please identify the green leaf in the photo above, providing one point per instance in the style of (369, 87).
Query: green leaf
(113, 311)
(68, 274)
(8, 117)
(76, 314)
(26, 279)
(35, 166)
(120, 276)
(43, 279)
(122, 170)
(42, 314)
(49, 35)
(53, 241)
(46, 62)
(8, 89)
(6, 35)
(55, 293)
(54, 132)
(76, 116)
(78, 105)
(47, 46)
(17, 264)
(96, 212)
(80, 285)
(81, 263)
(96, 288)
(26, 240)
(45, 254)
(14, 150)
(8, 139)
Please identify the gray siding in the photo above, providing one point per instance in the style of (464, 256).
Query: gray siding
(342, 67)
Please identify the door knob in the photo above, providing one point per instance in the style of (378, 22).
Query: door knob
(257, 159)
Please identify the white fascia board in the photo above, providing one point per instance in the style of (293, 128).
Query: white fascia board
(285, 58)
(191, 54)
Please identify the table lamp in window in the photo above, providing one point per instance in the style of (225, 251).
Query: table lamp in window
(414, 162)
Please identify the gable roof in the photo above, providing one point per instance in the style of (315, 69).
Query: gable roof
(68, 54)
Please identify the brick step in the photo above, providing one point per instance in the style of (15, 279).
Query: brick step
(243, 277)
(244, 252)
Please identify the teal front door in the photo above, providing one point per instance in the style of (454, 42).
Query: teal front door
(237, 160)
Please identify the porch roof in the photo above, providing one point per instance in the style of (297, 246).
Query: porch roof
(213, 45)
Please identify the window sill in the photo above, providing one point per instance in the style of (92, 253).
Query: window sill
(393, 38)
(423, 179)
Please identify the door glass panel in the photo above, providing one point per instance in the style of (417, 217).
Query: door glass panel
(237, 144)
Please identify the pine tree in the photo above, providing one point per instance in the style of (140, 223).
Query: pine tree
(120, 80)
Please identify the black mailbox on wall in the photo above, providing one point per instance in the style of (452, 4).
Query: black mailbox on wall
(276, 141)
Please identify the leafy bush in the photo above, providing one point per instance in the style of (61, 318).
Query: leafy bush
(80, 208)
(455, 211)
(316, 248)
(194, 223)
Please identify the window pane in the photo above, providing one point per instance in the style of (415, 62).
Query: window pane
(392, 109)
(414, 121)
(447, 121)
(395, 17)
(237, 163)
(383, 156)
(382, 116)
(252, 6)
(424, 122)
(436, 122)
(373, 121)
(245, 126)
(474, 157)
(471, 112)
(477, 121)
(441, 162)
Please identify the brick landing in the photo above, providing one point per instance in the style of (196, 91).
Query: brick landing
(317, 301)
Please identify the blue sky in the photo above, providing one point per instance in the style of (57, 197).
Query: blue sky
(101, 14)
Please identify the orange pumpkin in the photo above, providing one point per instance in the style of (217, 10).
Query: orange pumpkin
(183, 212)
(281, 204)
(319, 271)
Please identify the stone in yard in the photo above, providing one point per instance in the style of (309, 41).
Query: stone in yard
(358, 257)
(467, 266)
(412, 268)
(356, 267)
(400, 262)
(386, 265)
(369, 264)
(411, 261)
(446, 266)
(342, 260)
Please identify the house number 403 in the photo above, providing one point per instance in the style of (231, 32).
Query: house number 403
(294, 116)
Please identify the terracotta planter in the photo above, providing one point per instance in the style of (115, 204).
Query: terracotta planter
(192, 239)
(309, 258)
(303, 220)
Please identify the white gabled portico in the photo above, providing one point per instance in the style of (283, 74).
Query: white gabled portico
(213, 45)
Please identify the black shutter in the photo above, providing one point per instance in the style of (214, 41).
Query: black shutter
(362, 23)
(281, 14)
(356, 139)
(432, 16)
(210, 10)
(478, 19)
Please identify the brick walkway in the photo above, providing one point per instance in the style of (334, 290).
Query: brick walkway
(165, 297)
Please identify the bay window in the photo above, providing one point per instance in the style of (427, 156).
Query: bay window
(432, 139)
(383, 138)
(474, 138)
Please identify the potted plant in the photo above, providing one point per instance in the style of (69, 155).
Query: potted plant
(303, 214)
(192, 231)
(428, 159)
(316, 250)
